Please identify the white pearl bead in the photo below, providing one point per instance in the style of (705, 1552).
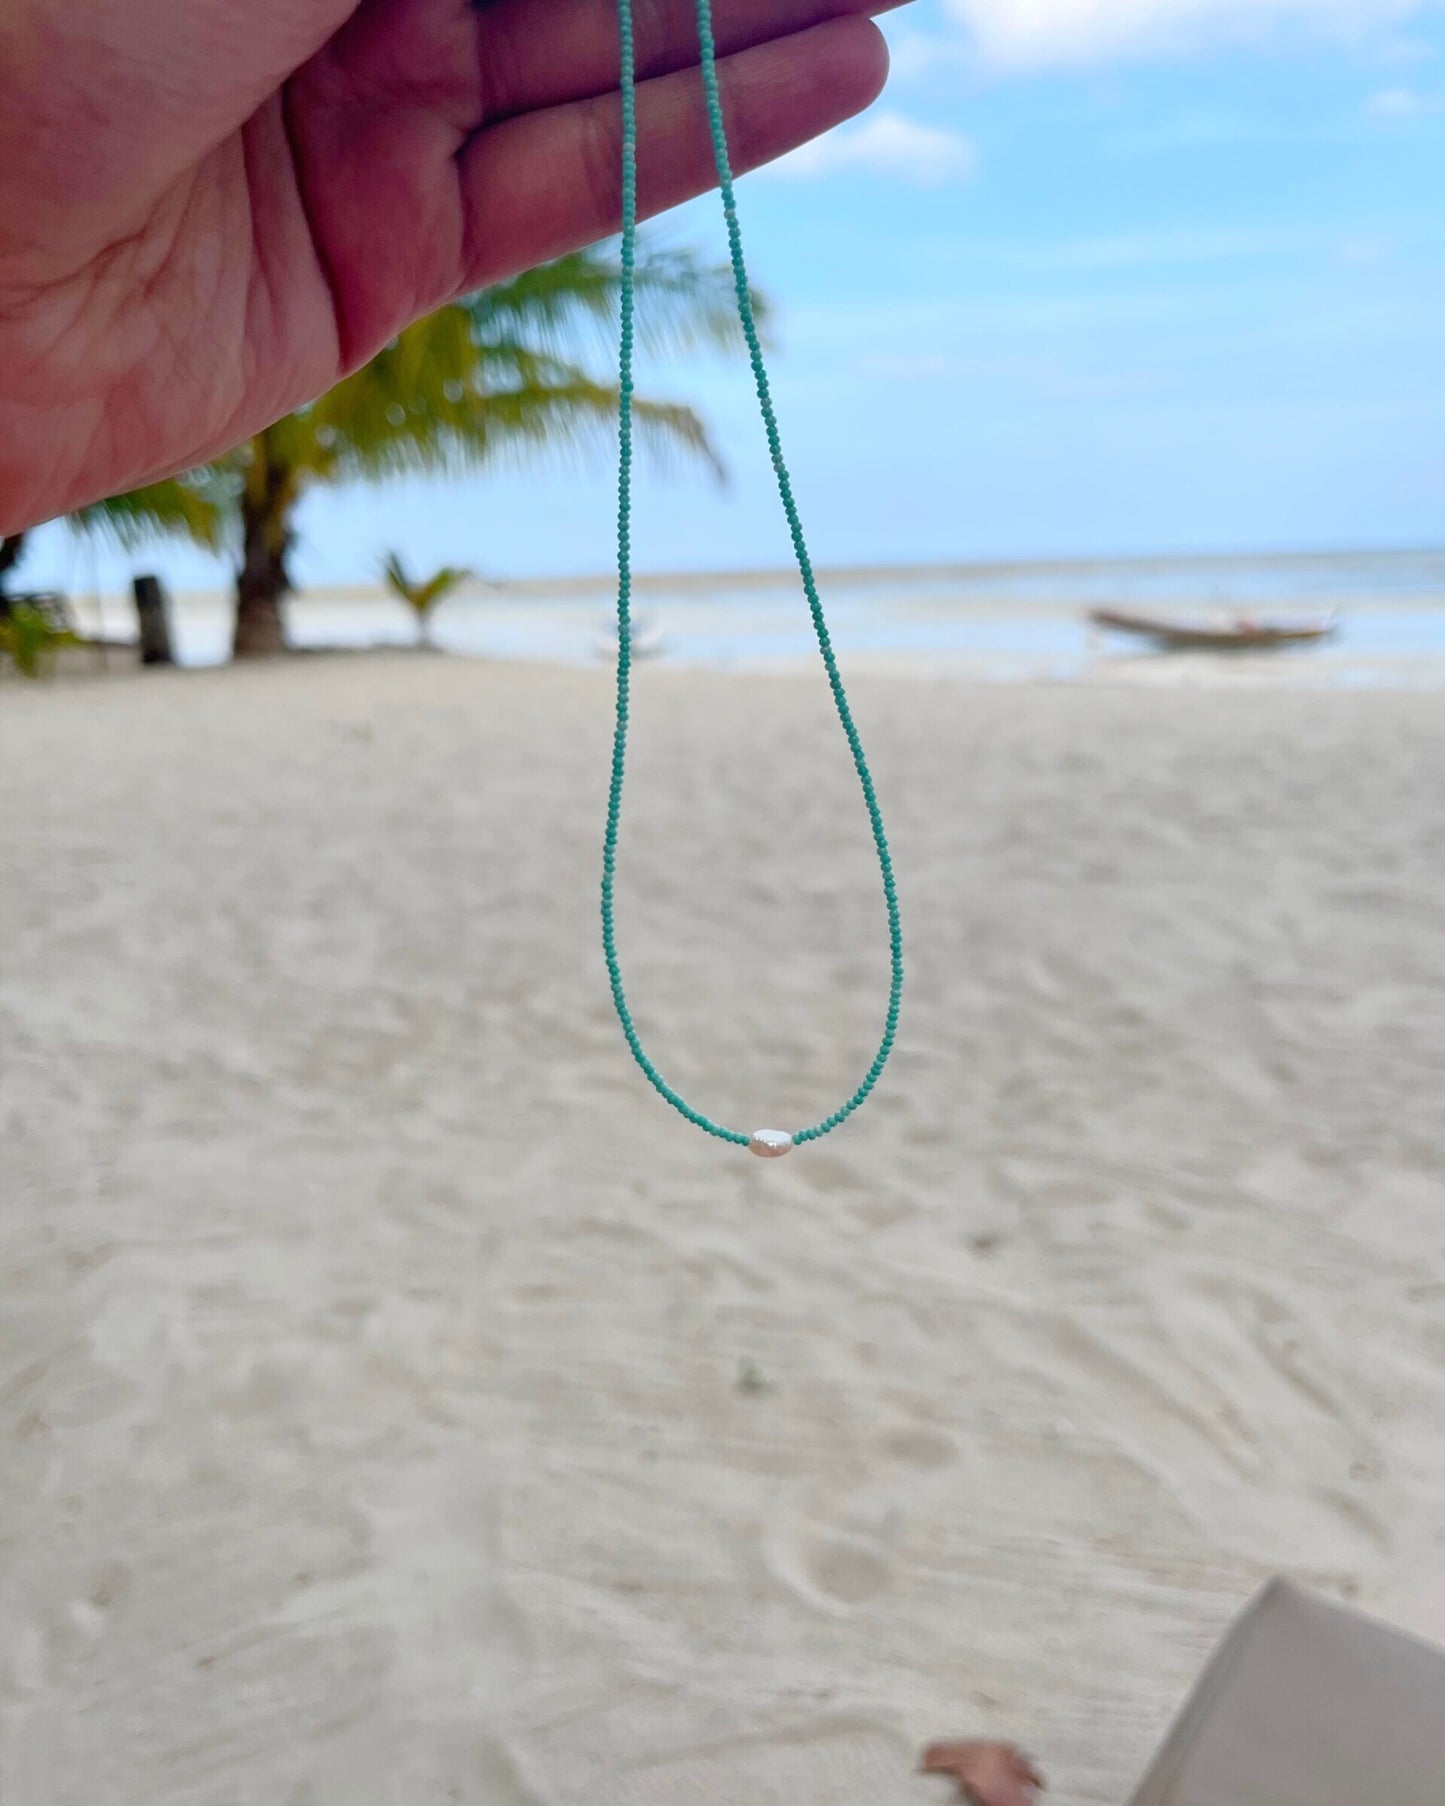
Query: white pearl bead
(770, 1144)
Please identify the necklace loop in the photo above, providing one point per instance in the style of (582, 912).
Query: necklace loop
(769, 1143)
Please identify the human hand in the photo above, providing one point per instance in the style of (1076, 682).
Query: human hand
(210, 212)
(990, 1774)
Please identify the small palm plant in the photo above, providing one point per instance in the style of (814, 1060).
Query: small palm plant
(33, 628)
(421, 597)
(30, 637)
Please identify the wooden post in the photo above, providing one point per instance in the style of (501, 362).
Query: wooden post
(155, 630)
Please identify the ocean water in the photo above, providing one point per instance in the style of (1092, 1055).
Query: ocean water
(993, 623)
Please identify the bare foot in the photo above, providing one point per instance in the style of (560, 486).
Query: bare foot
(990, 1774)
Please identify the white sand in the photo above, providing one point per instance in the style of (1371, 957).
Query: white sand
(371, 1423)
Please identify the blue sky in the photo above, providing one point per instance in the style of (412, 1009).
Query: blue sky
(1095, 276)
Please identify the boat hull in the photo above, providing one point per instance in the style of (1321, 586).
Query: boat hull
(1223, 636)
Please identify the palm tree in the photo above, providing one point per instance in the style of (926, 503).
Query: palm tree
(192, 507)
(499, 374)
(421, 596)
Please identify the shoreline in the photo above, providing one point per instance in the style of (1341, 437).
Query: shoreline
(1026, 622)
(961, 573)
(1389, 648)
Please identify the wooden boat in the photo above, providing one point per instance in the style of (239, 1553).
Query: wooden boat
(1225, 633)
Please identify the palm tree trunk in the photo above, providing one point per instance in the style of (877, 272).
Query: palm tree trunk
(259, 589)
(262, 581)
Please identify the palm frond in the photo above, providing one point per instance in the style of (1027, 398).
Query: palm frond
(435, 401)
(422, 597)
(393, 574)
(197, 506)
(683, 305)
(668, 427)
(437, 588)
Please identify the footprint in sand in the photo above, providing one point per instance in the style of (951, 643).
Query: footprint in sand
(847, 1763)
(921, 1448)
(831, 1572)
(846, 1572)
(42, 1645)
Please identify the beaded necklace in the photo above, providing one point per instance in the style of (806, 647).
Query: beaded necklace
(768, 1144)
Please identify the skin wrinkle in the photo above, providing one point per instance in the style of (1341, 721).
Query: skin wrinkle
(266, 296)
(136, 291)
(75, 341)
(457, 100)
(214, 300)
(322, 258)
(261, 296)
(428, 137)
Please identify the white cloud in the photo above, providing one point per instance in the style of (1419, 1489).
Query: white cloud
(925, 367)
(913, 55)
(1404, 103)
(1402, 52)
(1363, 249)
(1150, 250)
(1024, 32)
(886, 144)
(1395, 103)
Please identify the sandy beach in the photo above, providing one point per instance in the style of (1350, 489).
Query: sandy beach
(399, 1405)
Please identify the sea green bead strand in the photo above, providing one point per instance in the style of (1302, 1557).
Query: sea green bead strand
(766, 1142)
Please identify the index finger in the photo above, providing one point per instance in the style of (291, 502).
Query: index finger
(550, 181)
(545, 53)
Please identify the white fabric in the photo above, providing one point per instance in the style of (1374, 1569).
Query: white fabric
(1307, 1704)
